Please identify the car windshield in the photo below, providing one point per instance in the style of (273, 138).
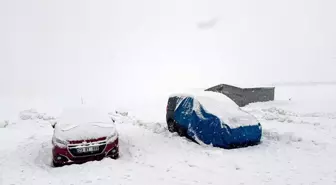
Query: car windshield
(75, 116)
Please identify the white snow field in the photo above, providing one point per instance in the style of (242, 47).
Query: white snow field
(298, 147)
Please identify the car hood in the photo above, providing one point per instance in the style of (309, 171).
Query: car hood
(240, 119)
(82, 131)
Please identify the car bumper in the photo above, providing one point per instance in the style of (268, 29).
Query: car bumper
(63, 156)
(245, 136)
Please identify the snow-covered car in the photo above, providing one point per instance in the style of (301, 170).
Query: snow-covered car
(83, 134)
(211, 118)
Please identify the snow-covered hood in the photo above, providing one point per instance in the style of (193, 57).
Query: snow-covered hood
(231, 115)
(241, 118)
(89, 130)
(81, 123)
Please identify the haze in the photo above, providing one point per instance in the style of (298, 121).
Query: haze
(123, 50)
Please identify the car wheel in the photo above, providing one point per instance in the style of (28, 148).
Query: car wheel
(56, 164)
(181, 132)
(115, 156)
(171, 126)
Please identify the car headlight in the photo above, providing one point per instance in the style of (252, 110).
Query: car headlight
(58, 141)
(112, 136)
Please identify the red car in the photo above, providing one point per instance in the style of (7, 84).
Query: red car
(82, 135)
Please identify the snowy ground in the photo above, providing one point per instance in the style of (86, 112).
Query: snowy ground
(298, 147)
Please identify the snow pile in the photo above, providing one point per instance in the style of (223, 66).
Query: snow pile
(280, 115)
(287, 120)
(33, 114)
(127, 118)
(286, 137)
(122, 113)
(280, 111)
(4, 124)
(320, 114)
(121, 117)
(156, 127)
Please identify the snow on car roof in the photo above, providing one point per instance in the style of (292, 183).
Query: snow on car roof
(76, 115)
(221, 106)
(209, 95)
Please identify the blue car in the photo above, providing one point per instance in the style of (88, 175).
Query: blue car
(213, 119)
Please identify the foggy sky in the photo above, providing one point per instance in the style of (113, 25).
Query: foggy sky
(109, 48)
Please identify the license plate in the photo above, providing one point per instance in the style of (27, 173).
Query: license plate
(88, 149)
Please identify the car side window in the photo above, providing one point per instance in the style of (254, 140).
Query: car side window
(172, 103)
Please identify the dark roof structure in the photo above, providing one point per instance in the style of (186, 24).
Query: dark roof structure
(244, 96)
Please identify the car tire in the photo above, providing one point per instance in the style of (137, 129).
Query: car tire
(181, 131)
(116, 156)
(56, 165)
(171, 126)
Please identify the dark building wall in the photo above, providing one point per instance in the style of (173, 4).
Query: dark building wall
(244, 96)
(235, 93)
(258, 94)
